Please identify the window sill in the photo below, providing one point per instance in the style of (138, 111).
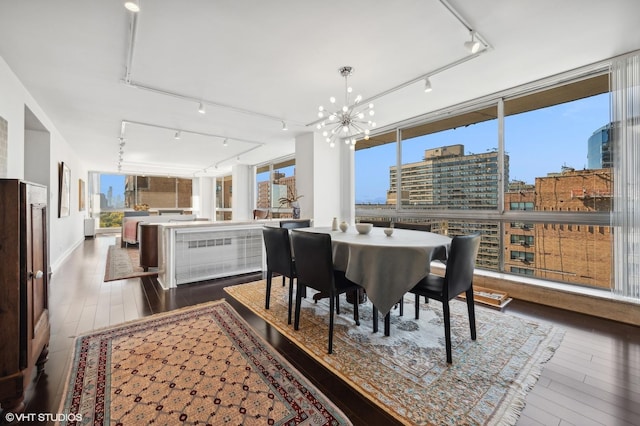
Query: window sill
(591, 301)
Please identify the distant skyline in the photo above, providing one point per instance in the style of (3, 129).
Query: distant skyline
(537, 142)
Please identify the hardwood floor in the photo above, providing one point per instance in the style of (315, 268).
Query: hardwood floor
(593, 379)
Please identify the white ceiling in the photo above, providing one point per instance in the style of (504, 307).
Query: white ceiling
(279, 60)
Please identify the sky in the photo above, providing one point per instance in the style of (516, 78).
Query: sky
(537, 142)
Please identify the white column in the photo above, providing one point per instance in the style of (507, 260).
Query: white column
(204, 197)
(242, 191)
(324, 175)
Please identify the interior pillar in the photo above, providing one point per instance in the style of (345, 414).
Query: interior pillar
(324, 175)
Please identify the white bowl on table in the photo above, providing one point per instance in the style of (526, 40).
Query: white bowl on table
(388, 231)
(364, 228)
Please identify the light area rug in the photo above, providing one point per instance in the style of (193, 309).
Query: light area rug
(124, 263)
(406, 373)
(198, 365)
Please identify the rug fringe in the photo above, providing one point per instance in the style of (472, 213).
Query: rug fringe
(512, 413)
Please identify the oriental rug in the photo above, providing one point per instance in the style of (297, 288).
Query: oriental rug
(198, 365)
(124, 263)
(406, 373)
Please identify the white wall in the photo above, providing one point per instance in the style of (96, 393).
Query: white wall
(64, 233)
(36, 153)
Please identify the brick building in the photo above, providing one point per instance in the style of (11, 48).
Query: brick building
(157, 192)
(579, 254)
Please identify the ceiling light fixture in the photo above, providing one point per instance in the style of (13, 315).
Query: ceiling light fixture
(133, 6)
(284, 126)
(473, 45)
(427, 85)
(201, 109)
(224, 142)
(177, 135)
(348, 122)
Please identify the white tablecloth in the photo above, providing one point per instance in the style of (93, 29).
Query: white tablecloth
(387, 267)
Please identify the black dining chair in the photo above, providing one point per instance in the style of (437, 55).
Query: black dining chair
(279, 260)
(426, 227)
(458, 278)
(439, 254)
(295, 223)
(378, 223)
(314, 267)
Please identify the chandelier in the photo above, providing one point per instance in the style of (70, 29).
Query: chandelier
(350, 122)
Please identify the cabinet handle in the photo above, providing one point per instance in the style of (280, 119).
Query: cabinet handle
(37, 275)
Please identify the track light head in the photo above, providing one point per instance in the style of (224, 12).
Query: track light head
(132, 5)
(427, 85)
(224, 142)
(472, 45)
(201, 109)
(284, 126)
(177, 135)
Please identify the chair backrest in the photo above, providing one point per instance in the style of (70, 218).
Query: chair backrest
(378, 223)
(278, 248)
(314, 259)
(461, 263)
(426, 227)
(295, 223)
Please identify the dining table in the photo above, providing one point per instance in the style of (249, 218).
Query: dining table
(387, 267)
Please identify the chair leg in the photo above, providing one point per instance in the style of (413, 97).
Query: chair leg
(338, 304)
(299, 290)
(417, 303)
(356, 314)
(375, 319)
(472, 313)
(447, 329)
(290, 300)
(387, 324)
(331, 308)
(283, 280)
(401, 302)
(268, 295)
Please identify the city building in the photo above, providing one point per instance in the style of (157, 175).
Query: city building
(269, 194)
(157, 192)
(447, 178)
(577, 254)
(599, 149)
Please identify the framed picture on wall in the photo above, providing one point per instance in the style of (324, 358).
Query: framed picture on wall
(64, 193)
(80, 195)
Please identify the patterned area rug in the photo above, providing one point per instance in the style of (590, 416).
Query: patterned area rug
(123, 263)
(199, 365)
(406, 374)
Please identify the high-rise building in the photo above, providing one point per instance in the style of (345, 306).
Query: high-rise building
(446, 178)
(269, 194)
(599, 149)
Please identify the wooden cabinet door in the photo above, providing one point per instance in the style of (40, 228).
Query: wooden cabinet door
(37, 279)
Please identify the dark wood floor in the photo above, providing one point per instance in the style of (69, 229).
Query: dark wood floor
(593, 379)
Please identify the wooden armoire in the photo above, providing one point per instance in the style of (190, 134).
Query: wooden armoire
(24, 282)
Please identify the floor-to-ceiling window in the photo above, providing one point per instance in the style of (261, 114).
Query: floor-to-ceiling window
(530, 170)
(276, 183)
(224, 190)
(113, 194)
